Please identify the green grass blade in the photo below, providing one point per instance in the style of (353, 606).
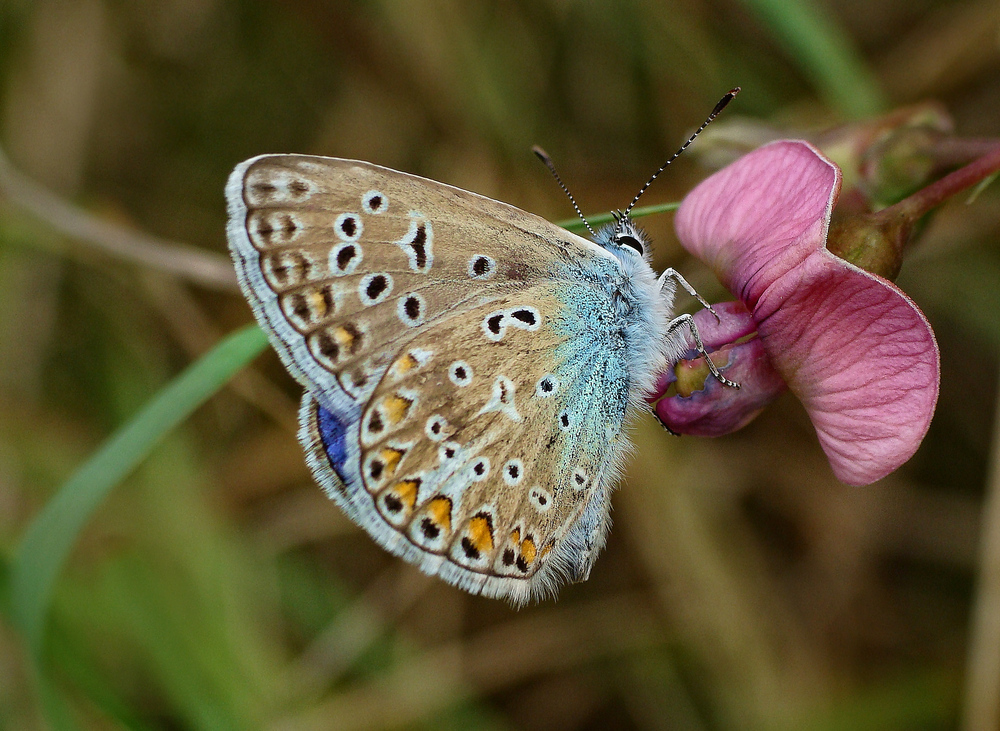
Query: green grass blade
(53, 706)
(575, 224)
(49, 539)
(825, 54)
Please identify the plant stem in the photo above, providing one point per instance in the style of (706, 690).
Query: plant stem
(926, 199)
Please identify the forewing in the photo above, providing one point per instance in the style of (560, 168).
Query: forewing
(344, 261)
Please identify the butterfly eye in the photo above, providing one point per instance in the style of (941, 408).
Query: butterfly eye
(631, 241)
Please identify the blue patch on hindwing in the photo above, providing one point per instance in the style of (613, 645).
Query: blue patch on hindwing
(333, 432)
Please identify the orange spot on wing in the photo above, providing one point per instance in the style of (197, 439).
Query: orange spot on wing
(404, 365)
(481, 534)
(344, 337)
(528, 550)
(439, 511)
(407, 492)
(391, 457)
(396, 408)
(318, 304)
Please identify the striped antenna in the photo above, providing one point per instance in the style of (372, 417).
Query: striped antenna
(544, 157)
(715, 113)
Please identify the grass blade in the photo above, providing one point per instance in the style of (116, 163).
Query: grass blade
(49, 539)
(575, 224)
(825, 54)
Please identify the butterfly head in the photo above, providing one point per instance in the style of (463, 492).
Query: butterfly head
(624, 239)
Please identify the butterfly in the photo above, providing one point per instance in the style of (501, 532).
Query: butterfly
(469, 368)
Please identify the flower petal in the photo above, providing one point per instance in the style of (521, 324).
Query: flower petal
(718, 409)
(714, 409)
(734, 322)
(851, 345)
(860, 356)
(755, 220)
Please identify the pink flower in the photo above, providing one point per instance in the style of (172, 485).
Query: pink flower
(704, 407)
(851, 345)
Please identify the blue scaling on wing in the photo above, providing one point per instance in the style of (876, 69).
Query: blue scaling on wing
(333, 432)
(330, 441)
(594, 354)
(594, 366)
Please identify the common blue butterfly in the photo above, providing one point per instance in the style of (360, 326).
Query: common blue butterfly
(469, 368)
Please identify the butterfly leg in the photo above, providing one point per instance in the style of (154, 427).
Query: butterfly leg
(662, 423)
(676, 277)
(680, 321)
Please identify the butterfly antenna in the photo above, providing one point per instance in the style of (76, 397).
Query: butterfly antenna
(544, 157)
(715, 113)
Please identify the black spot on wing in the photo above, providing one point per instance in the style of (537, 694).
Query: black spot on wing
(419, 245)
(344, 257)
(525, 316)
(429, 529)
(376, 286)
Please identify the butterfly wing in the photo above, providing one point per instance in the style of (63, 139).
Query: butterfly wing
(466, 377)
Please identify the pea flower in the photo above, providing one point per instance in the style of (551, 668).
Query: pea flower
(849, 344)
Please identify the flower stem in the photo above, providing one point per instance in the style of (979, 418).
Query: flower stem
(926, 199)
(876, 242)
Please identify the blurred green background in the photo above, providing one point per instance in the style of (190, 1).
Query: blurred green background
(742, 587)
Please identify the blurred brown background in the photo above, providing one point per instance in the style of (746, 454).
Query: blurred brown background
(742, 587)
